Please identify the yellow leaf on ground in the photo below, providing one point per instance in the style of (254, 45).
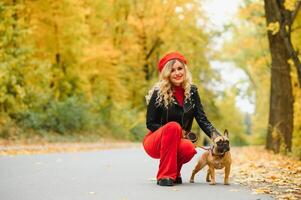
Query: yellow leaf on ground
(262, 191)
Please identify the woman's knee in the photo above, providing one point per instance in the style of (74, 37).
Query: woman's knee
(172, 129)
(173, 126)
(150, 146)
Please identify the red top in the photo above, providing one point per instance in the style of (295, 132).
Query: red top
(178, 92)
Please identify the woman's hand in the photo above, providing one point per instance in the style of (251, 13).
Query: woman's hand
(184, 133)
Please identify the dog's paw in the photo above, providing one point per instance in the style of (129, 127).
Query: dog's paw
(191, 181)
(212, 183)
(226, 183)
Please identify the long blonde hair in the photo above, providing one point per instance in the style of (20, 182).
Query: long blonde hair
(164, 86)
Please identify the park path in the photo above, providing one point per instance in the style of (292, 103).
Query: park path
(118, 174)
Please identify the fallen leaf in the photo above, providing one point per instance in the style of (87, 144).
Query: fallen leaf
(262, 191)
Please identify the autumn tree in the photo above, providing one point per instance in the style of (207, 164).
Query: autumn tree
(22, 75)
(59, 34)
(280, 16)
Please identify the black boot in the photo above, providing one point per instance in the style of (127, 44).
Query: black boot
(165, 182)
(178, 180)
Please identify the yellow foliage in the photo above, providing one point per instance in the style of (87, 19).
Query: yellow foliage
(297, 114)
(99, 66)
(252, 13)
(290, 5)
(290, 62)
(296, 90)
(274, 27)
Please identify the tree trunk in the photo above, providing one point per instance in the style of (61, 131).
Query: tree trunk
(280, 125)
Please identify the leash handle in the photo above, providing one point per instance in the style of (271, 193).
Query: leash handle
(191, 136)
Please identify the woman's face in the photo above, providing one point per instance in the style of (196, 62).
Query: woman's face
(177, 74)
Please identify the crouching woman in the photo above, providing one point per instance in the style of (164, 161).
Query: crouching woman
(173, 103)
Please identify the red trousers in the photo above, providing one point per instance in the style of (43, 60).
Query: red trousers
(167, 144)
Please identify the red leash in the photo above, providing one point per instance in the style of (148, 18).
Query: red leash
(205, 148)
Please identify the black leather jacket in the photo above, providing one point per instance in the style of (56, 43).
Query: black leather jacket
(158, 115)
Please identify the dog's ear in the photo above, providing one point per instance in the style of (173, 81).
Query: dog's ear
(226, 133)
(213, 135)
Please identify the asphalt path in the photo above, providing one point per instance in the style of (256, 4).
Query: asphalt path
(119, 174)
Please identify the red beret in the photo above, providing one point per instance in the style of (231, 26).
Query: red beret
(170, 56)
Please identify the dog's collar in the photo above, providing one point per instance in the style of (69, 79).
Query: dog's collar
(217, 155)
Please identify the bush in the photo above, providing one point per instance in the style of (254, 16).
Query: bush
(138, 132)
(66, 116)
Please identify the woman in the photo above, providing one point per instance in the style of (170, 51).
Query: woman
(172, 104)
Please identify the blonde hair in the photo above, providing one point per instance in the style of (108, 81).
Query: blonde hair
(164, 86)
